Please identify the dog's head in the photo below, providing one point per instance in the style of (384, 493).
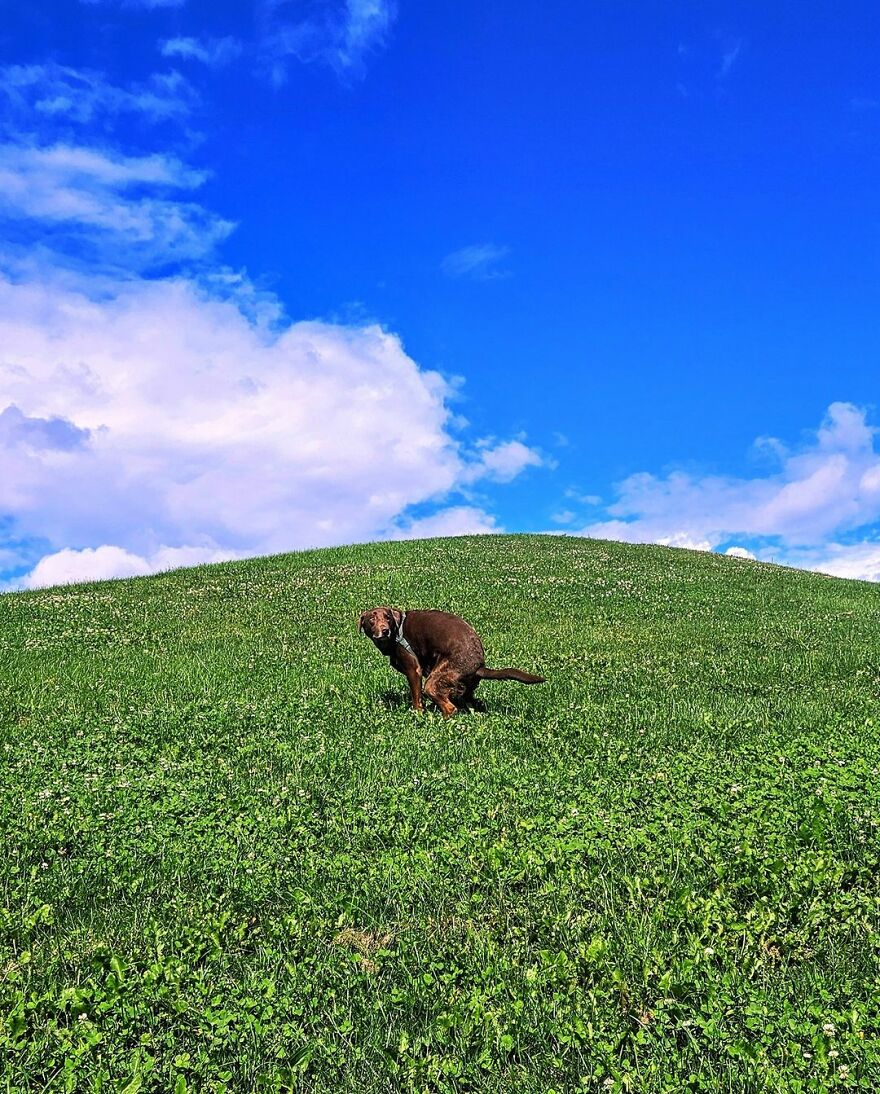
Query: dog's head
(380, 624)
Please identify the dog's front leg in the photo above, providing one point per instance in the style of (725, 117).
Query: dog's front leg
(414, 675)
(406, 663)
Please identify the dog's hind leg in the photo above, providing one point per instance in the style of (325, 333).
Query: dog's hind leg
(443, 688)
(468, 699)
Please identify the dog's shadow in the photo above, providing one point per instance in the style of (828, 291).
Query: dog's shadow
(396, 700)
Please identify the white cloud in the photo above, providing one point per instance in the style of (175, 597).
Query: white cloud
(67, 567)
(155, 421)
(831, 485)
(45, 94)
(479, 262)
(105, 194)
(338, 33)
(162, 415)
(860, 560)
(457, 520)
(583, 499)
(27, 167)
(827, 487)
(682, 539)
(503, 462)
(213, 52)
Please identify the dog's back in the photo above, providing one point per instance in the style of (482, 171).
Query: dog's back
(440, 636)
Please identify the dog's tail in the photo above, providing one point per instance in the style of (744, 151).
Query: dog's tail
(508, 674)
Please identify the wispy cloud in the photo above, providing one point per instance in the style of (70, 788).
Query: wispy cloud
(581, 498)
(338, 33)
(706, 64)
(111, 209)
(147, 4)
(479, 262)
(563, 516)
(42, 95)
(729, 57)
(365, 27)
(213, 52)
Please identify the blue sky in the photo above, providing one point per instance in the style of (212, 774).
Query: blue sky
(285, 274)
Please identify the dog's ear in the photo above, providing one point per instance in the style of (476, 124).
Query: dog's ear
(361, 622)
(397, 616)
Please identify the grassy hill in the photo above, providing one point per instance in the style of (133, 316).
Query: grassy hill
(234, 860)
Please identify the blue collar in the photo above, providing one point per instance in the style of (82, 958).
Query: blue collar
(399, 638)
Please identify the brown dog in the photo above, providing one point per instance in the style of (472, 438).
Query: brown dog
(440, 647)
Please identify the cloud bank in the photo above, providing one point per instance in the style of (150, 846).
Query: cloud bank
(164, 416)
(157, 409)
(803, 512)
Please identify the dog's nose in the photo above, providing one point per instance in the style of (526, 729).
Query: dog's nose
(385, 633)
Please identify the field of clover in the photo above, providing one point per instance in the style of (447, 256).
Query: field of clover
(234, 860)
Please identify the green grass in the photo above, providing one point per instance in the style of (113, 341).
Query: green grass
(234, 860)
